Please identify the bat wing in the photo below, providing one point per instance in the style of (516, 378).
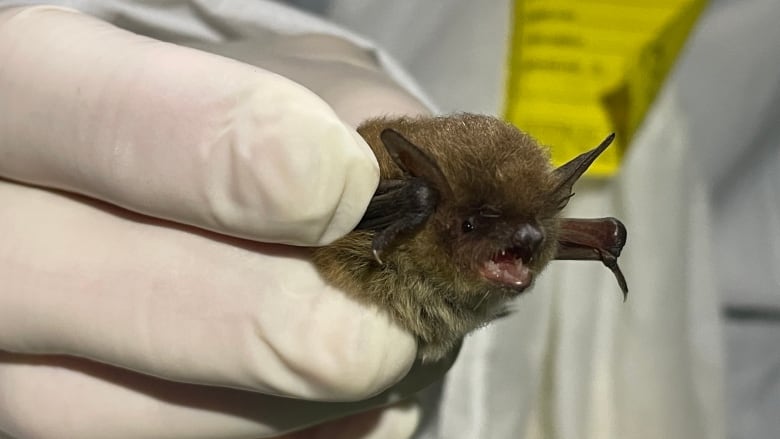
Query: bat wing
(402, 205)
(594, 239)
(398, 206)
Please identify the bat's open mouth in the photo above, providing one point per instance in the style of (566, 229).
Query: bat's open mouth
(507, 268)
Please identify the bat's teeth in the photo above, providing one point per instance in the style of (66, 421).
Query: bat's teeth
(511, 273)
(522, 254)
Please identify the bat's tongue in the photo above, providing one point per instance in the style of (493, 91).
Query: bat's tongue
(507, 269)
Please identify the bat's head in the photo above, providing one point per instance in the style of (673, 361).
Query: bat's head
(497, 200)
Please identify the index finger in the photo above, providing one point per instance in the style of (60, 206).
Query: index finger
(175, 133)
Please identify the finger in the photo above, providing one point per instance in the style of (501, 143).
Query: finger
(95, 281)
(174, 133)
(344, 75)
(57, 396)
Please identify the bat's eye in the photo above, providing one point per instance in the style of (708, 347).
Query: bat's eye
(489, 212)
(467, 226)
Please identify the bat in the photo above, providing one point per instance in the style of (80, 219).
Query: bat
(466, 215)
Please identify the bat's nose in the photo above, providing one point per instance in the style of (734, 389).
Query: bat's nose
(528, 237)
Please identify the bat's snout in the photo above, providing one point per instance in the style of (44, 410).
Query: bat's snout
(526, 241)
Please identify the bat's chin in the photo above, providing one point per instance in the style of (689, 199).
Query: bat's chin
(507, 269)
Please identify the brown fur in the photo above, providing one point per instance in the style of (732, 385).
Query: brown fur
(429, 281)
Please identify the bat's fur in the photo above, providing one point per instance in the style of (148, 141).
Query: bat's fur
(429, 281)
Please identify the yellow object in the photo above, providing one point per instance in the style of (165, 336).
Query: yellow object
(579, 70)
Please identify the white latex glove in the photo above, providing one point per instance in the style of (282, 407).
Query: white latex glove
(198, 151)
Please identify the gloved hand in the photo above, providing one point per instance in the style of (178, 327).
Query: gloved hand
(145, 288)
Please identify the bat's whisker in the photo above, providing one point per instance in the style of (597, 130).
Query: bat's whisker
(480, 301)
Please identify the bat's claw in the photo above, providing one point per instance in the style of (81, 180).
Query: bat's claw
(610, 261)
(376, 253)
(399, 206)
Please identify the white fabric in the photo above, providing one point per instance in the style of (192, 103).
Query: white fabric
(729, 88)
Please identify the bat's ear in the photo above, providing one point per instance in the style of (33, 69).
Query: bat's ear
(414, 161)
(570, 172)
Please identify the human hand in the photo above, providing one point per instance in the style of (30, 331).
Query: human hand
(149, 190)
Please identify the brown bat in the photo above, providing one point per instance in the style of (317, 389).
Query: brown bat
(467, 213)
